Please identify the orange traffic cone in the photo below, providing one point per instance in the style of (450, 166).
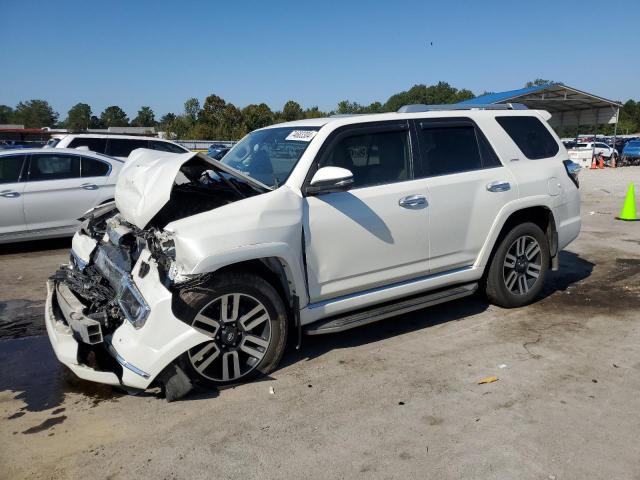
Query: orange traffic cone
(593, 163)
(601, 161)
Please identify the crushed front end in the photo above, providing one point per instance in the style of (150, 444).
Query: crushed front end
(108, 311)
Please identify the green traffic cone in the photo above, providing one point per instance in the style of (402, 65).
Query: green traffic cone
(628, 212)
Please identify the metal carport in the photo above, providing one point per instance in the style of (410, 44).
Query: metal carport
(567, 105)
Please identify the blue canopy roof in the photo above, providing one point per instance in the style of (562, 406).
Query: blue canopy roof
(567, 105)
(504, 96)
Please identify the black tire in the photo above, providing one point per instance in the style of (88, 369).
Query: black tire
(249, 286)
(499, 274)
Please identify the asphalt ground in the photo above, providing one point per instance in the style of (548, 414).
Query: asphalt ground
(396, 399)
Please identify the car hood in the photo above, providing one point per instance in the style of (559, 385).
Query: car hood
(146, 181)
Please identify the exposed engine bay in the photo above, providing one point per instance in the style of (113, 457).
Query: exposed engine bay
(103, 283)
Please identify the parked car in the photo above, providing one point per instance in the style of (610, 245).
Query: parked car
(200, 269)
(582, 153)
(215, 149)
(220, 154)
(631, 153)
(43, 192)
(118, 146)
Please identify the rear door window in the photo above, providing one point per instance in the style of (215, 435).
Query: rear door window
(11, 168)
(165, 147)
(122, 147)
(530, 135)
(51, 166)
(452, 145)
(94, 144)
(94, 168)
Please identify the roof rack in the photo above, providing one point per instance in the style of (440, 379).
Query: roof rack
(420, 107)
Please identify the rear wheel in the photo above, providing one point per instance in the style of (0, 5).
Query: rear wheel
(519, 267)
(245, 319)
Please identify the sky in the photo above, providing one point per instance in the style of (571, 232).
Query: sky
(159, 53)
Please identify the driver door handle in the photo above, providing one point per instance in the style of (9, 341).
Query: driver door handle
(498, 186)
(89, 186)
(9, 194)
(413, 201)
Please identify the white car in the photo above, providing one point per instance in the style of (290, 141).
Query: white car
(582, 153)
(43, 192)
(201, 269)
(118, 146)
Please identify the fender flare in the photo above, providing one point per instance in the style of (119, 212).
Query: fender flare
(503, 216)
(287, 256)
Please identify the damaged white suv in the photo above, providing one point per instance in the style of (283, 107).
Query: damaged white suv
(201, 269)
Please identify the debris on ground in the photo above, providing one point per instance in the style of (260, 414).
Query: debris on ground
(272, 391)
(487, 380)
(502, 365)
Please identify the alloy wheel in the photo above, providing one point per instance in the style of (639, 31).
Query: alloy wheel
(522, 265)
(240, 329)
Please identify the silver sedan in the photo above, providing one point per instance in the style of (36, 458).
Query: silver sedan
(43, 192)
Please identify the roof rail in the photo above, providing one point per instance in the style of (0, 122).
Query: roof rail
(420, 107)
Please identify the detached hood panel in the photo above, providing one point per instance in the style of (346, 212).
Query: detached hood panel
(145, 182)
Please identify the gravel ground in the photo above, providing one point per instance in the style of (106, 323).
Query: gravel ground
(397, 399)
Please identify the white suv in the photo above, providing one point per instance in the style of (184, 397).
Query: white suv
(201, 269)
(114, 145)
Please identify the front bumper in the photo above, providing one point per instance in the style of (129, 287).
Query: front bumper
(142, 353)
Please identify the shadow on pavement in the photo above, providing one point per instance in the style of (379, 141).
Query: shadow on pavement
(573, 269)
(35, 246)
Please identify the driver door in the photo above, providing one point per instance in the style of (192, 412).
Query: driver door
(376, 233)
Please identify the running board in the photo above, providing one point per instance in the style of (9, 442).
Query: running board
(380, 312)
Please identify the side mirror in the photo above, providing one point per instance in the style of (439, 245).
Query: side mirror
(330, 180)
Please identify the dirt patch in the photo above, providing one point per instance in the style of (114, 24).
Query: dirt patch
(21, 318)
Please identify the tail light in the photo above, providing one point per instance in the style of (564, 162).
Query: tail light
(573, 169)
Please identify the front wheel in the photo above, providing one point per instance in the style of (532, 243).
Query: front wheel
(246, 321)
(519, 266)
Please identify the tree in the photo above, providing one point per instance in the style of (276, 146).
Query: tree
(166, 120)
(192, 109)
(95, 122)
(314, 112)
(212, 112)
(78, 117)
(145, 118)
(6, 114)
(180, 127)
(440, 93)
(114, 116)
(292, 111)
(35, 114)
(257, 116)
(538, 81)
(233, 127)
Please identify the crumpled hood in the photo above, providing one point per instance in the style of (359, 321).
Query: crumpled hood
(145, 182)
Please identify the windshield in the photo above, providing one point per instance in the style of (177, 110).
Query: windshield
(269, 155)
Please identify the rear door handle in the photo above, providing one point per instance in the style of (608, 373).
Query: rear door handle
(498, 186)
(9, 194)
(413, 201)
(89, 186)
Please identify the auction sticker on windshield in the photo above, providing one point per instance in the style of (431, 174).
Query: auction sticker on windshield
(301, 135)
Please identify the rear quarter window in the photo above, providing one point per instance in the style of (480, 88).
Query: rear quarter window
(94, 144)
(122, 147)
(93, 168)
(530, 135)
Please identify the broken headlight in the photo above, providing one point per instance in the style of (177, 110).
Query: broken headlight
(133, 305)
